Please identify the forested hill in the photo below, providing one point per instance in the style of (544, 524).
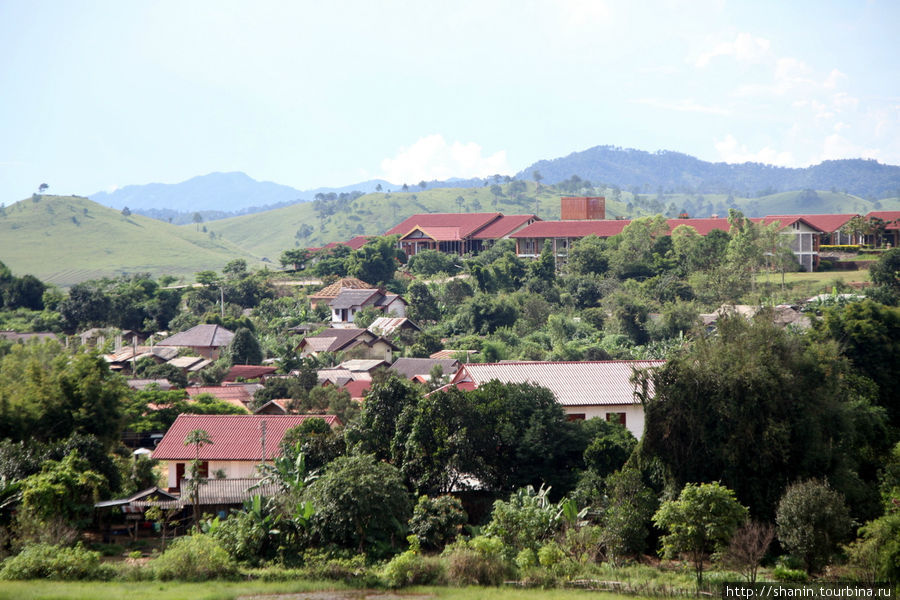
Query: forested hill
(676, 172)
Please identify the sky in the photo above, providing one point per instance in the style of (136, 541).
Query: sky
(98, 95)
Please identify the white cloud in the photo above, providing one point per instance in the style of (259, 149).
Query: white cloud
(744, 48)
(833, 78)
(585, 13)
(731, 151)
(687, 105)
(431, 157)
(836, 147)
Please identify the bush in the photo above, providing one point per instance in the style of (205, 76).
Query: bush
(45, 561)
(525, 521)
(195, 558)
(812, 521)
(437, 521)
(787, 575)
(411, 568)
(468, 566)
(350, 570)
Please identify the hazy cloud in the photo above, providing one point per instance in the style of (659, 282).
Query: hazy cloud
(687, 105)
(431, 157)
(731, 151)
(744, 47)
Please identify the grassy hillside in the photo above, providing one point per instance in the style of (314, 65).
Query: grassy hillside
(268, 234)
(64, 240)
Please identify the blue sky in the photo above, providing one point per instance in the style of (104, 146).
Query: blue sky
(98, 95)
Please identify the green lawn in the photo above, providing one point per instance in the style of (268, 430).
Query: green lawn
(45, 590)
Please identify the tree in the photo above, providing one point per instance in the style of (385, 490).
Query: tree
(422, 303)
(437, 521)
(747, 548)
(197, 219)
(64, 490)
(886, 270)
(85, 305)
(756, 408)
(812, 522)
(295, 258)
(361, 503)
(43, 188)
(423, 185)
(536, 175)
(629, 506)
(244, 348)
(702, 520)
(378, 187)
(196, 438)
(126, 212)
(375, 261)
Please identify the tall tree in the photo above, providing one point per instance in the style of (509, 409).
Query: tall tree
(196, 438)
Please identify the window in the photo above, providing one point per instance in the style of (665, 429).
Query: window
(575, 417)
(616, 417)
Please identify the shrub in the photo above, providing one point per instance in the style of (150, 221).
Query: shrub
(46, 561)
(787, 575)
(351, 570)
(526, 559)
(467, 567)
(437, 521)
(812, 521)
(411, 568)
(525, 521)
(195, 558)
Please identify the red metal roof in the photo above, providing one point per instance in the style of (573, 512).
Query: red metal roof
(826, 223)
(234, 437)
(701, 226)
(468, 223)
(438, 234)
(887, 216)
(357, 388)
(504, 226)
(249, 372)
(573, 229)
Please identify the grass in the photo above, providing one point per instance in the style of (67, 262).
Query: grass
(45, 590)
(67, 239)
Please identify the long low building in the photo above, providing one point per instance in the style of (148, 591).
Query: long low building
(585, 389)
(530, 240)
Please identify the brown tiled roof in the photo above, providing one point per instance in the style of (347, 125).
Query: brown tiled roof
(201, 336)
(331, 291)
(572, 383)
(238, 395)
(234, 437)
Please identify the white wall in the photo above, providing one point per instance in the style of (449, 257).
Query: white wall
(634, 414)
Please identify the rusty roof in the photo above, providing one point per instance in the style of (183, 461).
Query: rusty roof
(572, 383)
(249, 372)
(234, 437)
(332, 290)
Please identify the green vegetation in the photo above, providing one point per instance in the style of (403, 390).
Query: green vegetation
(68, 239)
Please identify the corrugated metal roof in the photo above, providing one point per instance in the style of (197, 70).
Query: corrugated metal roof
(200, 336)
(362, 364)
(234, 437)
(218, 491)
(410, 367)
(352, 297)
(388, 325)
(249, 372)
(573, 383)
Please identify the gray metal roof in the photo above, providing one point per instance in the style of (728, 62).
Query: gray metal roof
(350, 297)
(573, 383)
(201, 336)
(410, 367)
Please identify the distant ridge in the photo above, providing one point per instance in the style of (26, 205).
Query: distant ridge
(675, 172)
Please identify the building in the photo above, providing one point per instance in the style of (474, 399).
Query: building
(350, 301)
(586, 390)
(353, 343)
(456, 233)
(240, 443)
(205, 340)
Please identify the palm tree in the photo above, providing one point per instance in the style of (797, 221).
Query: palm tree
(198, 438)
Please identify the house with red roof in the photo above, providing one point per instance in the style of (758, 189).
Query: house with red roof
(891, 221)
(249, 372)
(586, 389)
(240, 443)
(456, 233)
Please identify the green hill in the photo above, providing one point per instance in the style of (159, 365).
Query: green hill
(66, 239)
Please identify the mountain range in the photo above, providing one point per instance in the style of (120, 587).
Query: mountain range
(221, 195)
